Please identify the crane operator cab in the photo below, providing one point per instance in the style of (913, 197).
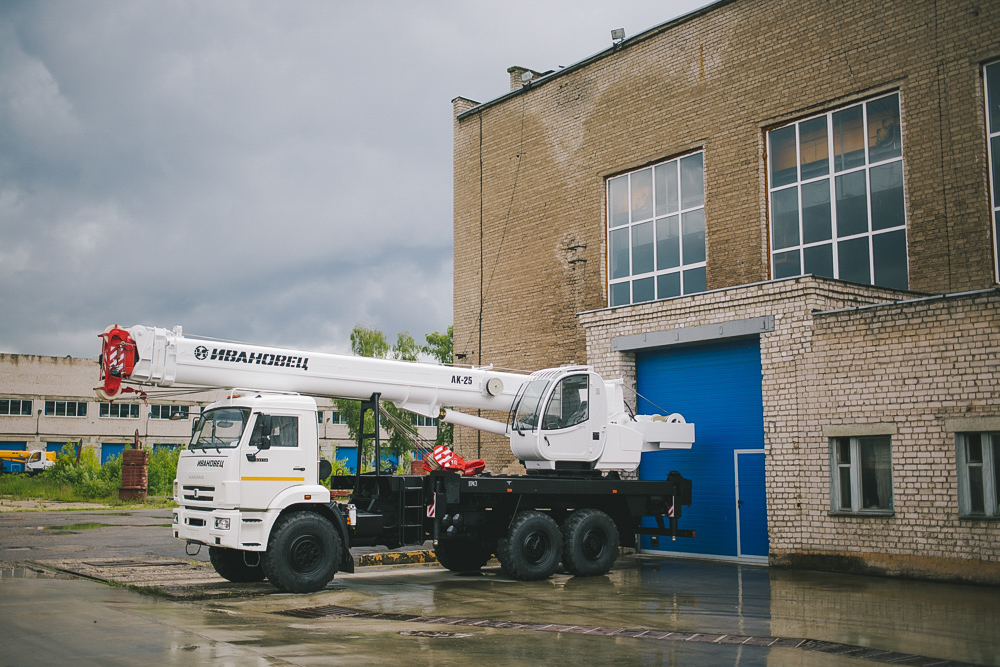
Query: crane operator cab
(559, 420)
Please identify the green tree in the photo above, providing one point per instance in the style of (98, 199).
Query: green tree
(441, 346)
(372, 343)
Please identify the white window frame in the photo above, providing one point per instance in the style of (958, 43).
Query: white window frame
(157, 411)
(991, 485)
(854, 466)
(683, 267)
(55, 409)
(831, 176)
(109, 408)
(23, 407)
(993, 163)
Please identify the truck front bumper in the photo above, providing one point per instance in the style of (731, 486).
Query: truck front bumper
(227, 528)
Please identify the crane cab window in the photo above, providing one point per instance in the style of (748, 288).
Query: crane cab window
(219, 428)
(569, 404)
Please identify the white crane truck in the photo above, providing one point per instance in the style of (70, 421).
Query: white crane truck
(248, 484)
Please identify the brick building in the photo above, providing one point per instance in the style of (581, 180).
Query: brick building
(779, 219)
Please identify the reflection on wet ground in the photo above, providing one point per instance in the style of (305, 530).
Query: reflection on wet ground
(647, 611)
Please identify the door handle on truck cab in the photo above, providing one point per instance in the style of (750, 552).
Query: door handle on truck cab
(302, 469)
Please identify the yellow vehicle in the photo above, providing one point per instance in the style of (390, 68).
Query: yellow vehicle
(25, 461)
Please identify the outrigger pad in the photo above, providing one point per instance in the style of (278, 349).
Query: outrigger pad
(442, 458)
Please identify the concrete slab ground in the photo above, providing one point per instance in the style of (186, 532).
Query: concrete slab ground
(646, 611)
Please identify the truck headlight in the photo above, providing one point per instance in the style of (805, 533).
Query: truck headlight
(221, 523)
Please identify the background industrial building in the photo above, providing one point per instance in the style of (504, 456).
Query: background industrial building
(46, 402)
(779, 219)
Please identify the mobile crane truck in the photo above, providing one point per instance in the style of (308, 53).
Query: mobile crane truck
(248, 484)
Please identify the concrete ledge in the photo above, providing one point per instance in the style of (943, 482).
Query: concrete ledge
(859, 430)
(971, 424)
(893, 565)
(394, 558)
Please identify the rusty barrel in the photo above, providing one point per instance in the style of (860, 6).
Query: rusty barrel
(135, 474)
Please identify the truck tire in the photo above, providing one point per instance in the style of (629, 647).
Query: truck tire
(532, 548)
(231, 565)
(303, 553)
(462, 555)
(590, 543)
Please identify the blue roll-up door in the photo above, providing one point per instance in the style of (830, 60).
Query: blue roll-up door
(349, 453)
(13, 446)
(110, 450)
(718, 387)
(54, 446)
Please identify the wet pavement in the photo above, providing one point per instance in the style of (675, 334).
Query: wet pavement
(647, 611)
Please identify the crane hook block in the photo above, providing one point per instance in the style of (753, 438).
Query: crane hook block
(117, 361)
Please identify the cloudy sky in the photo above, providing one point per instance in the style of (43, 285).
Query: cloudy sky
(272, 172)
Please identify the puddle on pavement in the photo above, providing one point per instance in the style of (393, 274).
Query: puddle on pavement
(29, 573)
(71, 526)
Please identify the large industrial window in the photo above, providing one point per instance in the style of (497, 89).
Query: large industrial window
(992, 76)
(836, 196)
(978, 474)
(656, 231)
(168, 412)
(65, 409)
(15, 407)
(861, 475)
(120, 410)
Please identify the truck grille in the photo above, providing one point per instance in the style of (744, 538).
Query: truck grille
(199, 493)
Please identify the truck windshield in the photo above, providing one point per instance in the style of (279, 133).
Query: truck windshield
(527, 408)
(219, 428)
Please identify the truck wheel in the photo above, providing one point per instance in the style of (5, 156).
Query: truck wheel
(303, 553)
(532, 547)
(590, 543)
(231, 565)
(462, 555)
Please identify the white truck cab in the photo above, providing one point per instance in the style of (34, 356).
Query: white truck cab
(251, 456)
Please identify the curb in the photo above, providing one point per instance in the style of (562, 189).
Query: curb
(394, 558)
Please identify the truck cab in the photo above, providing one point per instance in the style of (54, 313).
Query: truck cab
(251, 456)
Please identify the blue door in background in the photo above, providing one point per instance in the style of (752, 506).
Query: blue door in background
(349, 453)
(110, 450)
(716, 386)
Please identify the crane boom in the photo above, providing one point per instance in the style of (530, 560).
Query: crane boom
(566, 416)
(161, 357)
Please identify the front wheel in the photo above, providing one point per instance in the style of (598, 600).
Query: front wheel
(590, 543)
(303, 553)
(532, 548)
(232, 565)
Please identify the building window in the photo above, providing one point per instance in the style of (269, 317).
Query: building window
(861, 479)
(656, 231)
(65, 409)
(337, 418)
(836, 196)
(992, 76)
(420, 420)
(120, 410)
(15, 407)
(978, 474)
(168, 411)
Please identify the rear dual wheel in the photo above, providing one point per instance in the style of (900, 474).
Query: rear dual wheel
(589, 543)
(462, 555)
(532, 547)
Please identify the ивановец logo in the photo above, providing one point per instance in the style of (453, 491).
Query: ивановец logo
(201, 352)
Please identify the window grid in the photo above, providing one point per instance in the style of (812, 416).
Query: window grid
(674, 262)
(861, 475)
(991, 76)
(978, 474)
(834, 175)
(15, 407)
(167, 411)
(120, 410)
(65, 409)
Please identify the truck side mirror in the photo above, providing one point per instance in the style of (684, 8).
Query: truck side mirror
(262, 432)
